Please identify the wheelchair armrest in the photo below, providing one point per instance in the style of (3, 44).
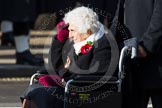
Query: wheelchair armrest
(94, 78)
(43, 72)
(91, 82)
(37, 75)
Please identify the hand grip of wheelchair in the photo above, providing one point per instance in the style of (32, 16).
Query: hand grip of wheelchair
(134, 48)
(132, 44)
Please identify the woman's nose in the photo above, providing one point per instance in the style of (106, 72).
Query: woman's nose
(70, 35)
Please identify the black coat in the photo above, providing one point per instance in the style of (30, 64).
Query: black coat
(144, 19)
(17, 10)
(101, 52)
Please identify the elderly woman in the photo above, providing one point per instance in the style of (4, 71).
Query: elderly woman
(89, 53)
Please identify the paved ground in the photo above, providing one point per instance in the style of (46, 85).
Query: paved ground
(10, 92)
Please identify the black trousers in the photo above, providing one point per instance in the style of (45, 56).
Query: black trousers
(21, 28)
(45, 97)
(143, 96)
(136, 96)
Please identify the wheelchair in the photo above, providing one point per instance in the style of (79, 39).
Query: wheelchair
(89, 91)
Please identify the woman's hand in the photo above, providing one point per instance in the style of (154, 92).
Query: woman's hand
(67, 64)
(141, 52)
(62, 30)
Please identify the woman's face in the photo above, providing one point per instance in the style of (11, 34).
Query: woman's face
(75, 35)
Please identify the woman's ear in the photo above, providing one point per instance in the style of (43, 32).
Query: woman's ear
(89, 32)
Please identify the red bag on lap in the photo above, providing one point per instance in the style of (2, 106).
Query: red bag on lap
(50, 80)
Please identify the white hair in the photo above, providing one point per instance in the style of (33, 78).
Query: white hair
(83, 18)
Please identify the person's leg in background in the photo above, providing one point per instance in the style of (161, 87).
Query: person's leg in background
(145, 95)
(7, 38)
(156, 98)
(143, 99)
(23, 54)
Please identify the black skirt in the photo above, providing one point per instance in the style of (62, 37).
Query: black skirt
(45, 97)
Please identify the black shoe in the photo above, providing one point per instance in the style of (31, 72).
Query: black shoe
(7, 39)
(27, 58)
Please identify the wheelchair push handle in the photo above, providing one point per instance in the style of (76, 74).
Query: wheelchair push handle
(129, 50)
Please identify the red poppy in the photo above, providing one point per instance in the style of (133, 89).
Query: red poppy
(86, 48)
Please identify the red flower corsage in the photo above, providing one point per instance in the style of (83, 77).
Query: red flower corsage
(87, 47)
